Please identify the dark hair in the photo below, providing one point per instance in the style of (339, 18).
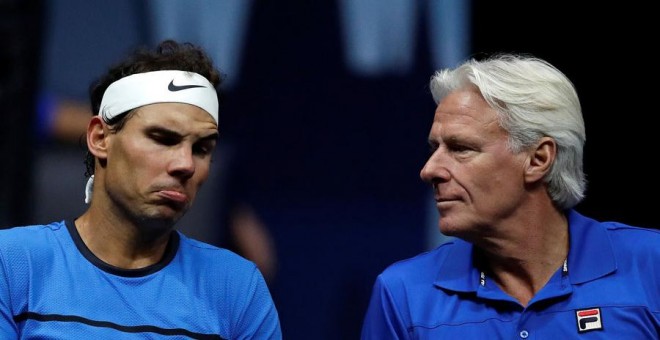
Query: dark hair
(168, 55)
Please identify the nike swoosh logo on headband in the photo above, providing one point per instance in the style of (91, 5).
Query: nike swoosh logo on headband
(175, 88)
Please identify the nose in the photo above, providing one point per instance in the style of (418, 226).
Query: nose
(182, 164)
(434, 170)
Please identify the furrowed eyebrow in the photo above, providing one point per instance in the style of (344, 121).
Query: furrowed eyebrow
(171, 133)
(214, 136)
(162, 132)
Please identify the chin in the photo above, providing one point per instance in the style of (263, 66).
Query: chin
(163, 215)
(449, 228)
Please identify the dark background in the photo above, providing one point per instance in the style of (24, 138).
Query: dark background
(606, 50)
(330, 160)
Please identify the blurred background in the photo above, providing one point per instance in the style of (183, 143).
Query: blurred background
(324, 117)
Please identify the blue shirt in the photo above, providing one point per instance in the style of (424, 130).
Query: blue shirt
(53, 287)
(609, 289)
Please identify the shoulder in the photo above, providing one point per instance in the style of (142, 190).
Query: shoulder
(230, 279)
(424, 267)
(31, 230)
(408, 289)
(29, 237)
(633, 240)
(605, 247)
(28, 249)
(622, 237)
(213, 259)
(629, 232)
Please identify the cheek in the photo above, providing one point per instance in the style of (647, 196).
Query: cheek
(506, 178)
(132, 151)
(145, 162)
(497, 176)
(137, 164)
(202, 171)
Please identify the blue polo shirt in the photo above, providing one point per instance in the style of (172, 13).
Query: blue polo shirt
(608, 289)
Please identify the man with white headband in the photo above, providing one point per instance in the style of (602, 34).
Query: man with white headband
(121, 270)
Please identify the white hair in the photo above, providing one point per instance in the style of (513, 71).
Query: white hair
(533, 99)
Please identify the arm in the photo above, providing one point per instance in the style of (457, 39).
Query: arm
(7, 325)
(259, 319)
(383, 319)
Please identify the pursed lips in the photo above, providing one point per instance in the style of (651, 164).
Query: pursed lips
(173, 194)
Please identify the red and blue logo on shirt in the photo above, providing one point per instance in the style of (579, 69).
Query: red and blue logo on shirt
(589, 319)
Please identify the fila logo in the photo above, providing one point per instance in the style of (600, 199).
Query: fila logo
(589, 319)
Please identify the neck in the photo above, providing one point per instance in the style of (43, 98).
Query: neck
(531, 250)
(121, 242)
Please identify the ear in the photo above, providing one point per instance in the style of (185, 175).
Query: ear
(97, 134)
(540, 159)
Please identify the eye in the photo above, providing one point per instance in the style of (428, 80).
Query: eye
(203, 148)
(167, 140)
(460, 148)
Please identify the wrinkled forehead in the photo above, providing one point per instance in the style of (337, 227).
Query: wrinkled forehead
(169, 86)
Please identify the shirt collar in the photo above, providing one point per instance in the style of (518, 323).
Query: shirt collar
(457, 271)
(590, 257)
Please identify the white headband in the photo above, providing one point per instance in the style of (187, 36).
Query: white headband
(159, 87)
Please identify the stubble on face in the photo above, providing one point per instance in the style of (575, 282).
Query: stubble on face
(158, 162)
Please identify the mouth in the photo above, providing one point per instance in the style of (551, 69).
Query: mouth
(441, 199)
(444, 203)
(173, 196)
